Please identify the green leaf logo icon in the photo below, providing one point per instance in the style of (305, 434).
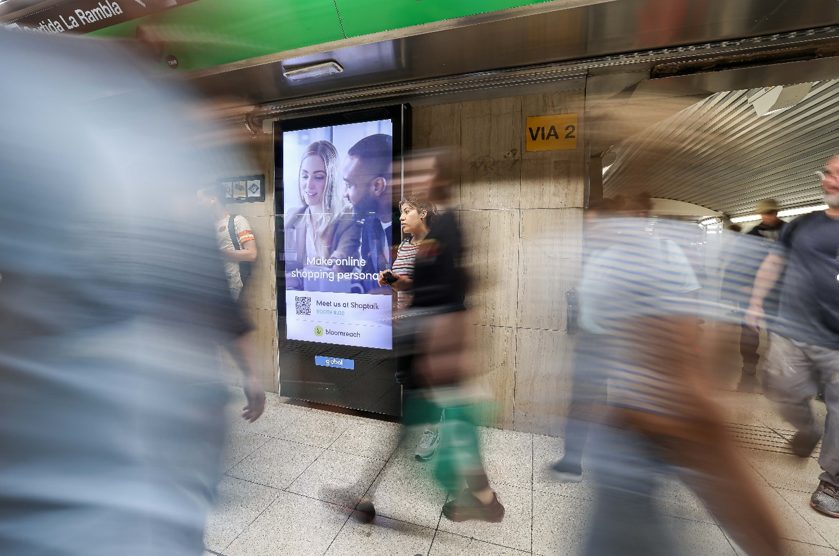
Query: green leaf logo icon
(318, 330)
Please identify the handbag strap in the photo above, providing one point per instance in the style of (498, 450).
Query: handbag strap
(231, 229)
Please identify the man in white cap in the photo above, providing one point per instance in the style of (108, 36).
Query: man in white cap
(770, 225)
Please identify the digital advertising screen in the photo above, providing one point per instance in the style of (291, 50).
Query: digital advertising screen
(336, 229)
(336, 240)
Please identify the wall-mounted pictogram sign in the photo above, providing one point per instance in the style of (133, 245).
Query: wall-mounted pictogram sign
(244, 189)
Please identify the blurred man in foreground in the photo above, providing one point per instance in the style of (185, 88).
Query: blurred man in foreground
(640, 302)
(804, 349)
(113, 300)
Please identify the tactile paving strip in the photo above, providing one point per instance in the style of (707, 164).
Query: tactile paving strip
(759, 437)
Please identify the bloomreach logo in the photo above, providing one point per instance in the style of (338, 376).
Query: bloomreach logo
(319, 330)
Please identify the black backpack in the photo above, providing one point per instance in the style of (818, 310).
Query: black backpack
(244, 267)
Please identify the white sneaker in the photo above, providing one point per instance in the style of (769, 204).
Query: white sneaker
(428, 444)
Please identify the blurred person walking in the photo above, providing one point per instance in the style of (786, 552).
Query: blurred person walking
(111, 394)
(588, 382)
(804, 346)
(433, 339)
(236, 240)
(442, 361)
(433, 347)
(769, 228)
(415, 218)
(640, 292)
(237, 245)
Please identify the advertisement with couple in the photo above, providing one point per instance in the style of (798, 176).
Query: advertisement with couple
(338, 233)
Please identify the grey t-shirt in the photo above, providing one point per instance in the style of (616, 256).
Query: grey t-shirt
(637, 271)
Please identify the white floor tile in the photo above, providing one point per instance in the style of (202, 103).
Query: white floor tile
(314, 453)
(382, 537)
(277, 417)
(547, 450)
(448, 544)
(676, 499)
(700, 539)
(825, 530)
(338, 478)
(508, 456)
(792, 548)
(277, 463)
(317, 428)
(793, 525)
(240, 446)
(802, 549)
(407, 491)
(368, 438)
(784, 470)
(239, 503)
(560, 523)
(293, 524)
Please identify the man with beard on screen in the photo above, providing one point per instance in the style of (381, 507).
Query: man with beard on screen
(367, 177)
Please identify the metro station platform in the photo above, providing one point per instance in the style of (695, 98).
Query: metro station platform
(271, 502)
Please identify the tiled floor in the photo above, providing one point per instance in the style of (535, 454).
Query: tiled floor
(285, 475)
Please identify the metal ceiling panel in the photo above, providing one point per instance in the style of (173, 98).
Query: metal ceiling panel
(720, 154)
(562, 35)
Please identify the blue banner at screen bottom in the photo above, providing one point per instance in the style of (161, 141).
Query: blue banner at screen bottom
(335, 362)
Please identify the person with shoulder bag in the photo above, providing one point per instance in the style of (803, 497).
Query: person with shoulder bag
(236, 240)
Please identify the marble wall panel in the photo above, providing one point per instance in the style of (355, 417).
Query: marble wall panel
(553, 182)
(491, 149)
(523, 219)
(492, 263)
(257, 157)
(261, 296)
(439, 126)
(264, 341)
(490, 183)
(542, 380)
(265, 347)
(491, 153)
(549, 266)
(494, 356)
(554, 179)
(421, 125)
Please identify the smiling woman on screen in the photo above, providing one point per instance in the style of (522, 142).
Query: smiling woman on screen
(322, 228)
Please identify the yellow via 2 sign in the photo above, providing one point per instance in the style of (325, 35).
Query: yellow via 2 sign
(551, 133)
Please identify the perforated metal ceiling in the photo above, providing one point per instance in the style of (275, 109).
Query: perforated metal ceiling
(721, 155)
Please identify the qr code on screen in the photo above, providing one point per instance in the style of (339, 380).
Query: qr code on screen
(303, 305)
